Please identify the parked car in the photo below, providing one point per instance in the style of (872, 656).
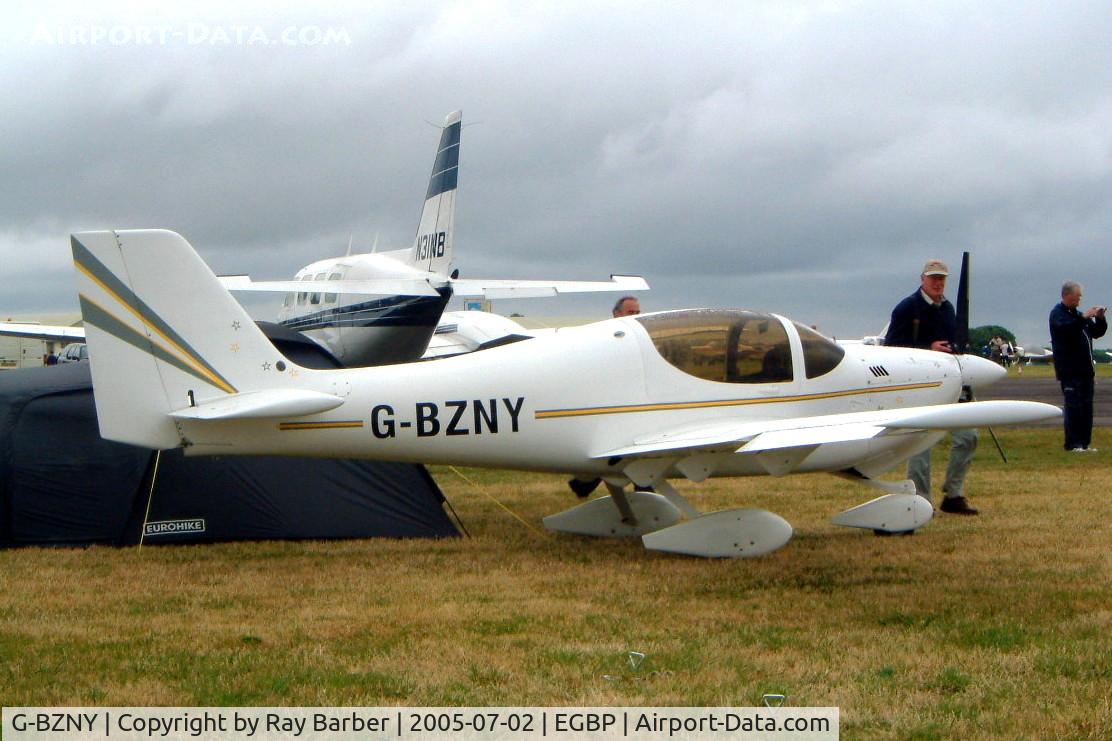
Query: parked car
(74, 353)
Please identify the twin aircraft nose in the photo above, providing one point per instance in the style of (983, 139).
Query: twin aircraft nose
(977, 372)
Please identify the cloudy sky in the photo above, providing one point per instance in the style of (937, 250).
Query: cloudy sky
(799, 157)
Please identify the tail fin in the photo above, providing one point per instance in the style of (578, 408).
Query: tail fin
(432, 248)
(164, 335)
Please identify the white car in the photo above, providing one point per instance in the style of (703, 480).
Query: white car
(74, 353)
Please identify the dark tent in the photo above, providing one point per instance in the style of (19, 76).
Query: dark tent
(60, 483)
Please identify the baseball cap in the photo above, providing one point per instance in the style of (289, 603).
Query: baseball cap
(935, 267)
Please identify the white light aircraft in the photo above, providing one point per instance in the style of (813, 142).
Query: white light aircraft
(176, 362)
(331, 300)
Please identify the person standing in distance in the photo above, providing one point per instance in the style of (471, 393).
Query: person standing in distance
(626, 306)
(927, 320)
(1071, 339)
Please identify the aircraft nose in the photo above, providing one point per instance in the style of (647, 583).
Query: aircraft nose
(977, 372)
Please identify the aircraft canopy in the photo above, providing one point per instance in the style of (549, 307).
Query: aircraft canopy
(737, 346)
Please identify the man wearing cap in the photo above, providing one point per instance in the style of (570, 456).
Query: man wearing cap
(926, 320)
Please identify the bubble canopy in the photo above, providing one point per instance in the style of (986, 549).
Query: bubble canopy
(738, 346)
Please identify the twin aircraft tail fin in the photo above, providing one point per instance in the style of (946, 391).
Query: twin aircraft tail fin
(432, 248)
(164, 335)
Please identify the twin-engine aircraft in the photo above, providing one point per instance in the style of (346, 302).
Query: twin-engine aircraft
(383, 307)
(177, 362)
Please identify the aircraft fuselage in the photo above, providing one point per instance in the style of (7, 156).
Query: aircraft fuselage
(361, 330)
(557, 403)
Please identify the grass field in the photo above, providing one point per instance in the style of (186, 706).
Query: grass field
(1046, 370)
(998, 626)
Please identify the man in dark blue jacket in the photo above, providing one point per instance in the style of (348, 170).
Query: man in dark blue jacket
(926, 320)
(1071, 338)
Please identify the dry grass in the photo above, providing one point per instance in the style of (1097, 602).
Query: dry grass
(989, 627)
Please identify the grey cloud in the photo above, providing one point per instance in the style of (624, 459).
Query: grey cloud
(802, 157)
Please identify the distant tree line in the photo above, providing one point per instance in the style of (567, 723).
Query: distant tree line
(979, 337)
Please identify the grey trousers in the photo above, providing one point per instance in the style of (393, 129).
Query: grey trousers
(962, 445)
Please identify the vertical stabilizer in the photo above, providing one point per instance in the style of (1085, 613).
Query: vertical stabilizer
(432, 248)
(163, 334)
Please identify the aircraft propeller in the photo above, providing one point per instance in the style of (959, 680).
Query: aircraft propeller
(962, 307)
(962, 334)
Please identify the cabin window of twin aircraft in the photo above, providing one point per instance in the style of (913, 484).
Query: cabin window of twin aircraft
(305, 297)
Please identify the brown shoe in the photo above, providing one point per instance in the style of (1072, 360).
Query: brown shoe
(958, 506)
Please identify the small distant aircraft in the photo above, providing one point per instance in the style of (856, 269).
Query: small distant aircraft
(330, 300)
(176, 362)
(1038, 355)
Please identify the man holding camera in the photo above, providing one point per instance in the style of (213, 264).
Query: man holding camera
(1071, 337)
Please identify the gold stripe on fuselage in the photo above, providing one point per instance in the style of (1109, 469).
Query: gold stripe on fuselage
(355, 423)
(669, 406)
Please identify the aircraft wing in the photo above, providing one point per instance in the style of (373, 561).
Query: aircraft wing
(466, 331)
(803, 432)
(376, 287)
(500, 289)
(491, 289)
(42, 331)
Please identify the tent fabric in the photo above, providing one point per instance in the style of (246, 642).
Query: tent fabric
(282, 498)
(61, 483)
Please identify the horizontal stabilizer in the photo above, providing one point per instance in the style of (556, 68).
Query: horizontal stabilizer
(505, 289)
(376, 287)
(267, 403)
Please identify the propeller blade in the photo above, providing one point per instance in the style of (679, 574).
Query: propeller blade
(962, 308)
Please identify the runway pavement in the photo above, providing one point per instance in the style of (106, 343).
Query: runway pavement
(1048, 390)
